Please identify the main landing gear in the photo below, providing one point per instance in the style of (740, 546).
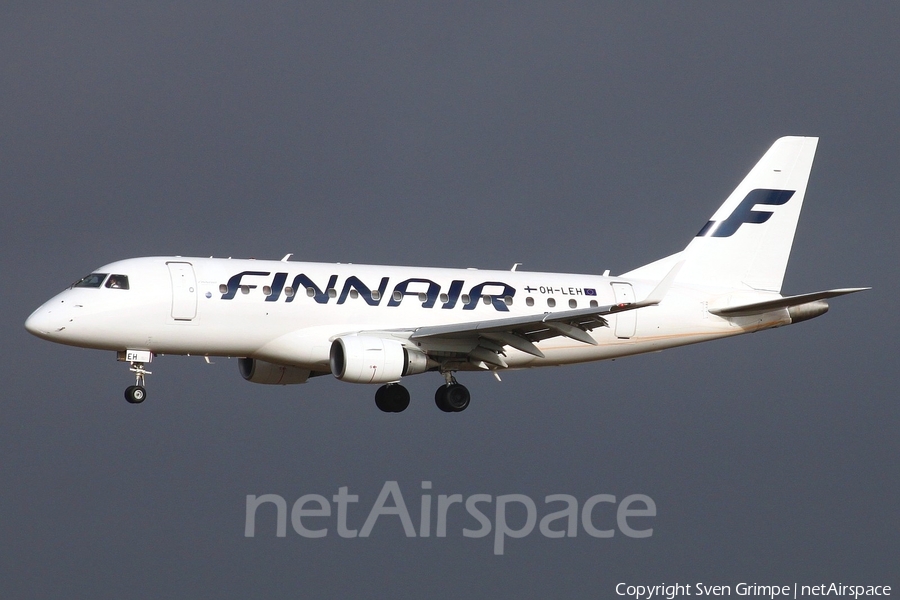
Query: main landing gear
(453, 396)
(450, 397)
(392, 397)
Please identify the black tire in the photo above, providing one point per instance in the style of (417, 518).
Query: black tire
(392, 397)
(457, 397)
(397, 397)
(135, 394)
(440, 399)
(381, 399)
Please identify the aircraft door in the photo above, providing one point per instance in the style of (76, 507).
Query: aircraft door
(184, 291)
(626, 322)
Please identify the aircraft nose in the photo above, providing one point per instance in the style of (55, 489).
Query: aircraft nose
(42, 322)
(37, 323)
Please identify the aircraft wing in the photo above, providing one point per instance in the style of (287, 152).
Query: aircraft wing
(521, 332)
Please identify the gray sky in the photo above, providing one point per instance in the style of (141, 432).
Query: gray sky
(569, 137)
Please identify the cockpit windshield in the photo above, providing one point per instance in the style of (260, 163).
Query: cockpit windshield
(117, 282)
(94, 280)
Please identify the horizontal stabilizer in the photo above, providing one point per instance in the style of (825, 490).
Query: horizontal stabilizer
(755, 308)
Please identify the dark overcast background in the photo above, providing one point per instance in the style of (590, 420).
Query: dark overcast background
(568, 137)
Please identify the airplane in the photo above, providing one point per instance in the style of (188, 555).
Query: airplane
(289, 321)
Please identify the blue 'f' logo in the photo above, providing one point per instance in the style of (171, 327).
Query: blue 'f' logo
(744, 212)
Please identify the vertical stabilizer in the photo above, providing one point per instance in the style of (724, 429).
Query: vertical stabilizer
(747, 242)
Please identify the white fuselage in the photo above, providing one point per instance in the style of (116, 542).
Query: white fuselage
(290, 312)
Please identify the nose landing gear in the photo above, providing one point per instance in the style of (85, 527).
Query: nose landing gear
(137, 393)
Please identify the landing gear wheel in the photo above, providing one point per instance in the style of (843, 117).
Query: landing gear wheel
(392, 397)
(135, 394)
(458, 397)
(452, 398)
(440, 398)
(379, 399)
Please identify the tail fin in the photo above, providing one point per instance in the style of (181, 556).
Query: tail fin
(747, 242)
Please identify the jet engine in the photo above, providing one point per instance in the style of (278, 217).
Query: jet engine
(260, 371)
(805, 312)
(369, 359)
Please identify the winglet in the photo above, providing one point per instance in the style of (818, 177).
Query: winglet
(658, 293)
(662, 288)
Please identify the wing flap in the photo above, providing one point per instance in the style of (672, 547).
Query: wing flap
(518, 342)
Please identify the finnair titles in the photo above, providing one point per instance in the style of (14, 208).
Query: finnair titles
(426, 291)
(290, 321)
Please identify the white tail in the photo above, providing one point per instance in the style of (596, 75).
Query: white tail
(747, 242)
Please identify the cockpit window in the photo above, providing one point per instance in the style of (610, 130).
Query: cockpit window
(94, 280)
(117, 282)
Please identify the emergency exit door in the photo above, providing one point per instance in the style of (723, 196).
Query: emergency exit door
(184, 291)
(626, 322)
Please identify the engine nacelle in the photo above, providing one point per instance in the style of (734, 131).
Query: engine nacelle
(416, 361)
(810, 310)
(260, 371)
(369, 359)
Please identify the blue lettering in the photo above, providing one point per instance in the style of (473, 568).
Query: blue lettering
(401, 288)
(363, 289)
(235, 282)
(303, 282)
(456, 287)
(426, 290)
(277, 286)
(477, 292)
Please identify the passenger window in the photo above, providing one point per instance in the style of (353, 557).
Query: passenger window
(551, 302)
(529, 301)
(117, 282)
(573, 303)
(90, 281)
